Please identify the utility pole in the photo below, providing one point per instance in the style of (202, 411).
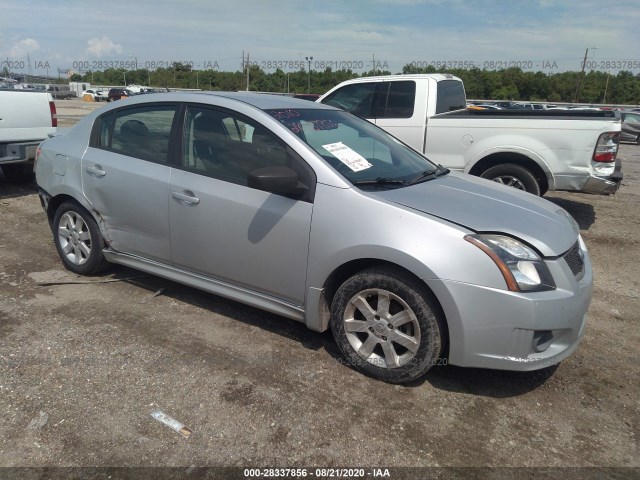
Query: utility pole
(606, 85)
(374, 63)
(584, 63)
(309, 76)
(248, 70)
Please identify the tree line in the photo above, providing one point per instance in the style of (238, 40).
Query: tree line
(508, 84)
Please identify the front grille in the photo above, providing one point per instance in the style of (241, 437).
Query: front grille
(574, 259)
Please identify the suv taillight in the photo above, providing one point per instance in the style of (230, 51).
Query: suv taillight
(607, 147)
(54, 115)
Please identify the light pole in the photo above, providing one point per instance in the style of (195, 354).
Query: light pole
(135, 66)
(309, 76)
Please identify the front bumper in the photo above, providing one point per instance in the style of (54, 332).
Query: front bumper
(499, 329)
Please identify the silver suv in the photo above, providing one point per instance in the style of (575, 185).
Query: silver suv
(317, 215)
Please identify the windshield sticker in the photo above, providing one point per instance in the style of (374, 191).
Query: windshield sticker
(284, 114)
(346, 155)
(324, 124)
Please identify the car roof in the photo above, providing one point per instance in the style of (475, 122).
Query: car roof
(269, 101)
(261, 101)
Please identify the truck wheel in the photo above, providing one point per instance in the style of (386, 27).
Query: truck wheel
(513, 175)
(384, 324)
(18, 173)
(78, 239)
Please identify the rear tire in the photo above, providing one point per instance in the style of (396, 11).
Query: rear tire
(18, 173)
(78, 239)
(384, 323)
(513, 175)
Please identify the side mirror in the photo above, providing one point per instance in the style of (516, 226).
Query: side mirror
(277, 179)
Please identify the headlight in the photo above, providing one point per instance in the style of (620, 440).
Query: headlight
(522, 268)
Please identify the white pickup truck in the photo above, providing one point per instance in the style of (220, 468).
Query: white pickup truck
(26, 118)
(534, 151)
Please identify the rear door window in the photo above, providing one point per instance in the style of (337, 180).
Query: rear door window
(140, 132)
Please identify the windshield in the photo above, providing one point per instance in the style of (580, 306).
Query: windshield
(363, 153)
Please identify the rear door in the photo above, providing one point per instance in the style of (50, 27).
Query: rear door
(125, 176)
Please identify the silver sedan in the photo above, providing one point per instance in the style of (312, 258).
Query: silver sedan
(317, 215)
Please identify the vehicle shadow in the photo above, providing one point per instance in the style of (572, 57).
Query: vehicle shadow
(583, 213)
(485, 382)
(11, 190)
(475, 381)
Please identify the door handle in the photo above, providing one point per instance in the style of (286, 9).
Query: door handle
(184, 198)
(96, 170)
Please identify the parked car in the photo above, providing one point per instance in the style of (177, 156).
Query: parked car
(61, 92)
(23, 86)
(317, 215)
(630, 127)
(97, 95)
(119, 93)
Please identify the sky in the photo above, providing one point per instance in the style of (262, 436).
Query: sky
(41, 36)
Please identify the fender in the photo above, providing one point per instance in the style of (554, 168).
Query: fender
(517, 150)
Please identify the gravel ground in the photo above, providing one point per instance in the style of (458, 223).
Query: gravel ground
(83, 365)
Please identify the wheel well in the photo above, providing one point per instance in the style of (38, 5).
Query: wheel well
(55, 202)
(506, 157)
(342, 273)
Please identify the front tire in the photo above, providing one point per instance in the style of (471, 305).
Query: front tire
(513, 175)
(78, 239)
(385, 325)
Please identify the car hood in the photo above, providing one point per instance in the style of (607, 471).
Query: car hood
(484, 206)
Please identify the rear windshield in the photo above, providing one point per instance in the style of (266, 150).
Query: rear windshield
(450, 96)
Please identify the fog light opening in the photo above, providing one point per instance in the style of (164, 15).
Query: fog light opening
(541, 340)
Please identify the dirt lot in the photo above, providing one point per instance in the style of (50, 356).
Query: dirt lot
(82, 366)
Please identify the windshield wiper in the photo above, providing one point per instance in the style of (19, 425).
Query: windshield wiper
(381, 181)
(429, 175)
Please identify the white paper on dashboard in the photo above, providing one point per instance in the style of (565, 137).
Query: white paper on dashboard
(346, 155)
